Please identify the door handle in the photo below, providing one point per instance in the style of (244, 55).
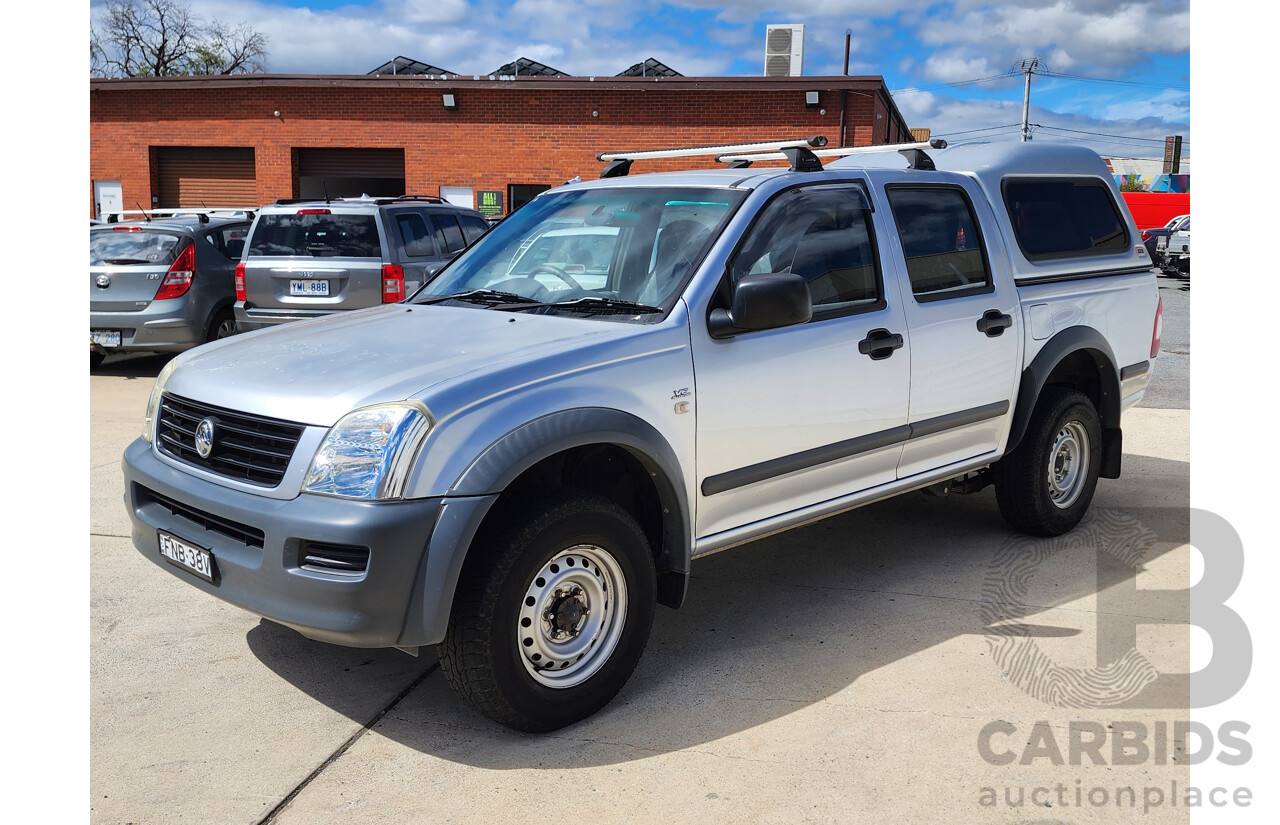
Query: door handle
(879, 344)
(994, 322)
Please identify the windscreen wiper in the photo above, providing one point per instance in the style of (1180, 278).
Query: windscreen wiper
(605, 306)
(486, 297)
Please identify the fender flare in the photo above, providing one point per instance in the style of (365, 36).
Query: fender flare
(476, 490)
(1065, 343)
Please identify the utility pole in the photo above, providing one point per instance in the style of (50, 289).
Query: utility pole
(844, 93)
(1028, 68)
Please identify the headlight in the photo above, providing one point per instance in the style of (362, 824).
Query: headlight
(153, 403)
(370, 452)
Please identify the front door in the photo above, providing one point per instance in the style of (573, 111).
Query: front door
(791, 417)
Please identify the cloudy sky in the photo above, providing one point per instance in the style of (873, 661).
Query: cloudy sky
(1118, 72)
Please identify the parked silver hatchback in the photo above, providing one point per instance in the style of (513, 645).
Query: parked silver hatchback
(310, 258)
(164, 283)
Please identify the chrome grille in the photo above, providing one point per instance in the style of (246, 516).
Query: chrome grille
(249, 448)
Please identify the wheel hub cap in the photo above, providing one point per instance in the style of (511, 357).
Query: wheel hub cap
(1068, 464)
(572, 616)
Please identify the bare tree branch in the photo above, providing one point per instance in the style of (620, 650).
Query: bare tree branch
(154, 38)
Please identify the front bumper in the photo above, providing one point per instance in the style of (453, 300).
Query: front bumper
(362, 610)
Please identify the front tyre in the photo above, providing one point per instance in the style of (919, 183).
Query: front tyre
(552, 614)
(1045, 485)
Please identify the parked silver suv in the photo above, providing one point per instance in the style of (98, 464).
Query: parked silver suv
(310, 258)
(163, 284)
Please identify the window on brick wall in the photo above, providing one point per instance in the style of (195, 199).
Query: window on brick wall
(518, 194)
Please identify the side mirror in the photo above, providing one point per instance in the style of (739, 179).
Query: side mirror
(765, 300)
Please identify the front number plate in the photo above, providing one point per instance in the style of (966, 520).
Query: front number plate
(105, 337)
(187, 556)
(320, 288)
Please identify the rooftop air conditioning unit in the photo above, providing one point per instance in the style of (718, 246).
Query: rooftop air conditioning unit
(784, 50)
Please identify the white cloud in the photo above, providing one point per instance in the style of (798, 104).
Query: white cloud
(922, 42)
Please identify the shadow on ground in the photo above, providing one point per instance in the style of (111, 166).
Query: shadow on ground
(779, 625)
(133, 365)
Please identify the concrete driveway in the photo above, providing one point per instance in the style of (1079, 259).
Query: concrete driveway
(879, 666)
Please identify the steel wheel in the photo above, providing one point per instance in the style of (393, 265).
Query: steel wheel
(1045, 484)
(552, 611)
(1068, 464)
(572, 616)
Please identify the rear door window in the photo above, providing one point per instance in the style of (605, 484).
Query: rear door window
(229, 240)
(940, 241)
(318, 235)
(473, 227)
(448, 233)
(414, 233)
(1064, 217)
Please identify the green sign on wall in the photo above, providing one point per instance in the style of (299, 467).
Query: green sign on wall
(489, 203)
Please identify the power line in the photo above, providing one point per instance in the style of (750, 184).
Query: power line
(1104, 134)
(949, 85)
(1179, 88)
(971, 131)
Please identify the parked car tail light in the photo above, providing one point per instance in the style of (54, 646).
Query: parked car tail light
(178, 279)
(1146, 235)
(1158, 328)
(392, 283)
(241, 293)
(126, 228)
(315, 211)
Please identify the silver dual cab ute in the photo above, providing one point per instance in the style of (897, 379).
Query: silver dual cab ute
(519, 461)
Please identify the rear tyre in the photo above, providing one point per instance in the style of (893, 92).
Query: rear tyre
(222, 326)
(95, 359)
(552, 614)
(1045, 485)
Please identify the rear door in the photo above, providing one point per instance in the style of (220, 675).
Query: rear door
(414, 242)
(315, 258)
(963, 316)
(127, 264)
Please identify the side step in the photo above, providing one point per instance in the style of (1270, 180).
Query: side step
(961, 485)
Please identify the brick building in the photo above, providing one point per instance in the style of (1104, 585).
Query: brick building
(246, 140)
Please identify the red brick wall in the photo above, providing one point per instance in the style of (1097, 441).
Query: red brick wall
(497, 136)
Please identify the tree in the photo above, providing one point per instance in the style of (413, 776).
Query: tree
(157, 38)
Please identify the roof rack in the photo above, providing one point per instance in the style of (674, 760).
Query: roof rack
(619, 163)
(203, 214)
(914, 153)
(362, 199)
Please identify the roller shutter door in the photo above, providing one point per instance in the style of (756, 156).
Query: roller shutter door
(350, 173)
(351, 163)
(206, 176)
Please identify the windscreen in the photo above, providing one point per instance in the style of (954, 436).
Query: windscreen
(121, 247)
(316, 235)
(584, 248)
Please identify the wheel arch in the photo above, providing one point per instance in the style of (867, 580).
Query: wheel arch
(1078, 358)
(603, 450)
